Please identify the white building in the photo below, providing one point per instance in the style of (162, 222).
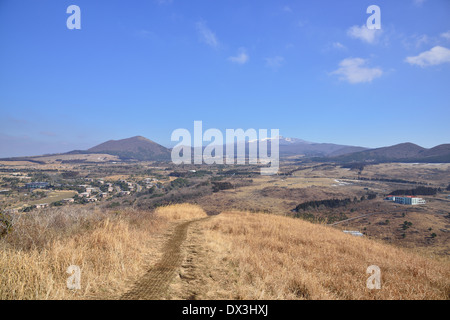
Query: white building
(410, 200)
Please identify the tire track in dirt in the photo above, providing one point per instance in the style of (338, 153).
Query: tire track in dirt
(155, 283)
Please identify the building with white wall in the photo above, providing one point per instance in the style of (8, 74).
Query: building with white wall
(410, 200)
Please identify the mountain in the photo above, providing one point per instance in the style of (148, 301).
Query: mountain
(291, 141)
(138, 148)
(403, 152)
(293, 146)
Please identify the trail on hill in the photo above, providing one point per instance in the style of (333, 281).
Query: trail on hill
(154, 284)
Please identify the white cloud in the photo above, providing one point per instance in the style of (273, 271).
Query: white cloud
(287, 9)
(353, 71)
(446, 35)
(207, 35)
(423, 39)
(363, 33)
(338, 45)
(432, 57)
(275, 62)
(241, 58)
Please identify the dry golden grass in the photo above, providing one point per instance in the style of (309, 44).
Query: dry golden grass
(184, 211)
(16, 163)
(245, 256)
(275, 257)
(112, 250)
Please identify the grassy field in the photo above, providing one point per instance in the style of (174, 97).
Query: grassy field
(53, 196)
(111, 248)
(261, 256)
(235, 255)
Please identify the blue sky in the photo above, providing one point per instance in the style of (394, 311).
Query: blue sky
(308, 68)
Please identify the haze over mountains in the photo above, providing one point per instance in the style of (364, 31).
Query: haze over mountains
(143, 149)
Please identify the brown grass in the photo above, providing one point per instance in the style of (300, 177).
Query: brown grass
(274, 257)
(182, 211)
(244, 256)
(111, 248)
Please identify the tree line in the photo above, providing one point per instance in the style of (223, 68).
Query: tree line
(419, 191)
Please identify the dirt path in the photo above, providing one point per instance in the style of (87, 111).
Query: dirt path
(154, 284)
(354, 218)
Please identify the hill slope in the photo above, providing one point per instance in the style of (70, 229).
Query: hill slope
(239, 255)
(138, 148)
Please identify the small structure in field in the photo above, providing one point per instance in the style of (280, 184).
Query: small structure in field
(37, 185)
(354, 233)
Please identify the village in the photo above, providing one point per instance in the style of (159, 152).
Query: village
(27, 196)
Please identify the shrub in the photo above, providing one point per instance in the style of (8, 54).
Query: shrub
(6, 224)
(217, 186)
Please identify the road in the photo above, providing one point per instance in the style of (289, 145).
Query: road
(354, 218)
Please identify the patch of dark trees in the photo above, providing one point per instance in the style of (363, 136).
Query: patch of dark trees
(331, 203)
(391, 180)
(219, 185)
(182, 174)
(69, 174)
(419, 191)
(238, 172)
(75, 161)
(354, 166)
(328, 203)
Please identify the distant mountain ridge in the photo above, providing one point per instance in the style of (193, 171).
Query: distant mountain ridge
(403, 152)
(294, 146)
(143, 149)
(140, 148)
